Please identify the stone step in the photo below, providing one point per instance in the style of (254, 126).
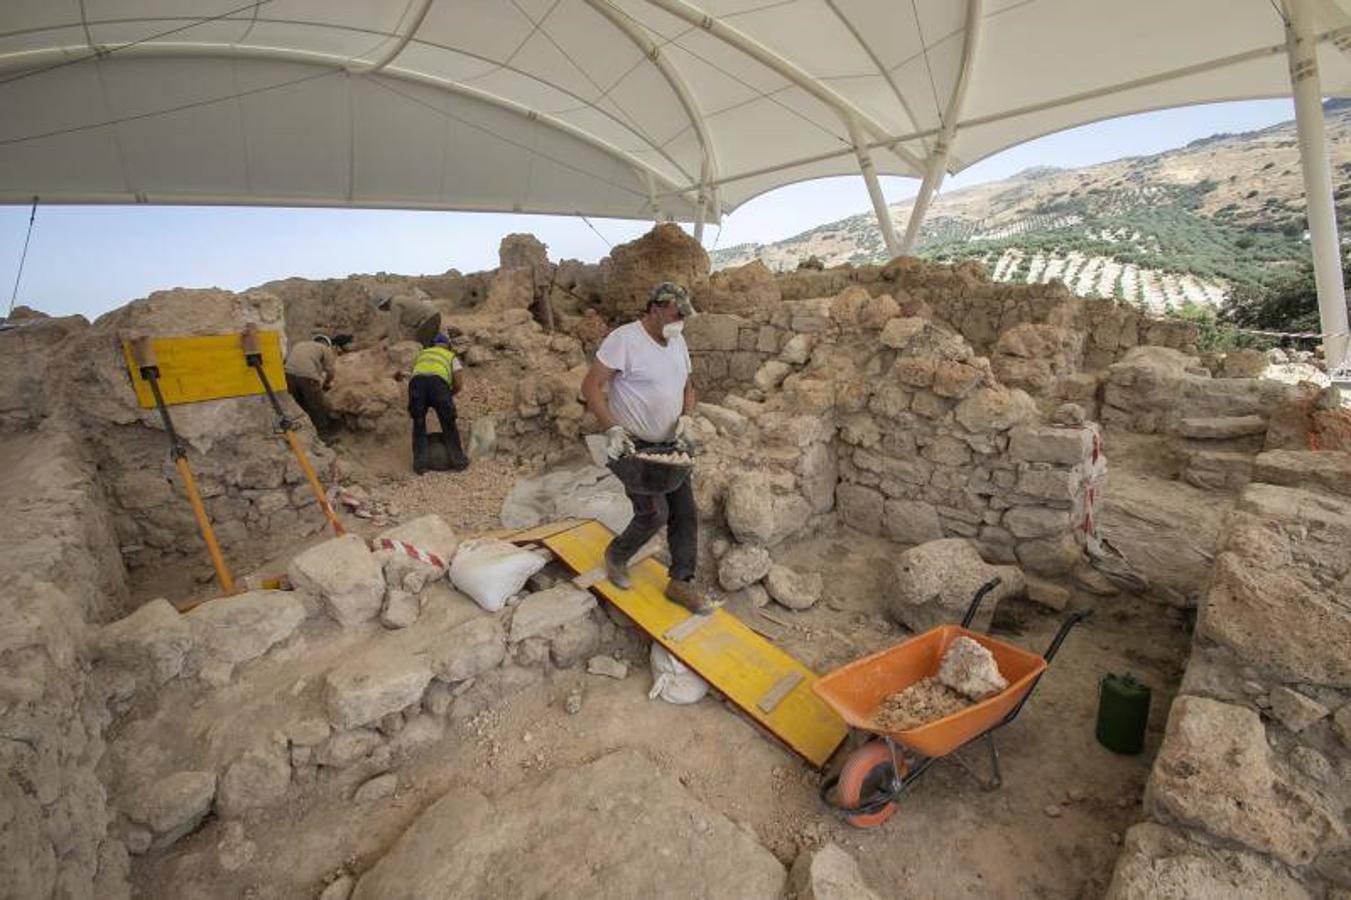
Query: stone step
(1217, 470)
(1221, 428)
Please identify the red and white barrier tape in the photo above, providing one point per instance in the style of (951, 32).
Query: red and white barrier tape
(408, 549)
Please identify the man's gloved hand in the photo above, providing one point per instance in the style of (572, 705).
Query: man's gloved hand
(686, 434)
(617, 442)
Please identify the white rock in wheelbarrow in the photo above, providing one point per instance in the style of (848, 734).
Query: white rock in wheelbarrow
(490, 571)
(672, 680)
(971, 670)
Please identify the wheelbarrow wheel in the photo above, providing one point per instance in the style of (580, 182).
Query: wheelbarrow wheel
(866, 773)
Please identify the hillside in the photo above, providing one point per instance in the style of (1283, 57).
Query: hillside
(1184, 226)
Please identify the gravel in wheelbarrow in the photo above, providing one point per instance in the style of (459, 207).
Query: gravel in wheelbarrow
(856, 691)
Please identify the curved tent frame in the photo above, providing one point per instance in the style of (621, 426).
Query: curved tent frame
(664, 109)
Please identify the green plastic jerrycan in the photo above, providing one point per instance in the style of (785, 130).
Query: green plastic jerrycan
(1123, 712)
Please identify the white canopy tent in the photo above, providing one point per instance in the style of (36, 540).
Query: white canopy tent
(663, 109)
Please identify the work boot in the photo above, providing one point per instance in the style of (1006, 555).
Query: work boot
(684, 592)
(617, 572)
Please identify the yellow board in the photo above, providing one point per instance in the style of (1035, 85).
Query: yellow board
(538, 533)
(206, 367)
(728, 655)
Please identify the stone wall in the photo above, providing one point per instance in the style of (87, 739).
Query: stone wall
(251, 484)
(1038, 337)
(892, 425)
(1249, 792)
(61, 574)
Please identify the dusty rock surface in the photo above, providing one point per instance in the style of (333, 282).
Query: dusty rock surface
(607, 814)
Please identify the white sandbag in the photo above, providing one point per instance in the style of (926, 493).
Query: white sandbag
(672, 680)
(490, 571)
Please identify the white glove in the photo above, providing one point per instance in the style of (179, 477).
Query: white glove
(617, 442)
(685, 433)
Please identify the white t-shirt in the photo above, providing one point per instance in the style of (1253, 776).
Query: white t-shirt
(647, 391)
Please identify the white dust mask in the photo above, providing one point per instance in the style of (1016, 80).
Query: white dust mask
(672, 330)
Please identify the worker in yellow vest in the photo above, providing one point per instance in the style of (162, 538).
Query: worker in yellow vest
(438, 375)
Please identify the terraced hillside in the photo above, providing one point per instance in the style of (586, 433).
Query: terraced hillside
(1177, 228)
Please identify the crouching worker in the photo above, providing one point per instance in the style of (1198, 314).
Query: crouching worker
(646, 367)
(437, 377)
(309, 368)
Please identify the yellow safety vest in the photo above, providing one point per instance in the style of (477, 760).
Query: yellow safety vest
(435, 361)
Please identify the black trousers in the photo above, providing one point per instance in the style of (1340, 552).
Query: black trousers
(309, 396)
(677, 511)
(433, 392)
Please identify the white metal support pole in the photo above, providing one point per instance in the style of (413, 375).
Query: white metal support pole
(1302, 48)
(937, 162)
(865, 164)
(701, 207)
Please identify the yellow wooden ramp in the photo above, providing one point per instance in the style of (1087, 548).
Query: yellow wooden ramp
(206, 367)
(766, 683)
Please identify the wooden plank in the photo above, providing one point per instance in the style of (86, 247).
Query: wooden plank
(735, 660)
(678, 632)
(595, 575)
(206, 367)
(537, 533)
(774, 696)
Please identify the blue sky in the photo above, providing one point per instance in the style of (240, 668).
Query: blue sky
(90, 259)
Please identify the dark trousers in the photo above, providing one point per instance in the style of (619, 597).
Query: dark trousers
(309, 396)
(678, 513)
(432, 392)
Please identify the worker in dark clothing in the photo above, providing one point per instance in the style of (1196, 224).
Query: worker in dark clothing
(309, 371)
(438, 375)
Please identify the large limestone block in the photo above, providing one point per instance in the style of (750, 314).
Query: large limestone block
(153, 639)
(795, 590)
(1214, 773)
(255, 780)
(995, 409)
(1051, 444)
(543, 611)
(713, 331)
(1166, 529)
(378, 682)
(469, 649)
(345, 575)
(1269, 616)
(228, 631)
(859, 507)
(1159, 863)
(743, 565)
(637, 831)
(429, 533)
(911, 521)
(935, 582)
(171, 806)
(750, 509)
(828, 874)
(1315, 471)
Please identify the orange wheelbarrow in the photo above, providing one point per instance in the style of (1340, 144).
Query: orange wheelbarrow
(866, 789)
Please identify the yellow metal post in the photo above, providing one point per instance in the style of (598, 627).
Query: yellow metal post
(253, 355)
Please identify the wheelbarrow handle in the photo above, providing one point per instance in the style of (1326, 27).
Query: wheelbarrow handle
(1065, 626)
(976, 600)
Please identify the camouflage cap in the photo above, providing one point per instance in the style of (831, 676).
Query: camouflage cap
(670, 292)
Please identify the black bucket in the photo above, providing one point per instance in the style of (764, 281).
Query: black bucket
(439, 455)
(643, 476)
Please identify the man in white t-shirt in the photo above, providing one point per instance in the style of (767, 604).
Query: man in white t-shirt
(646, 366)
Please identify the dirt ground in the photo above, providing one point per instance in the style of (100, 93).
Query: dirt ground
(1052, 829)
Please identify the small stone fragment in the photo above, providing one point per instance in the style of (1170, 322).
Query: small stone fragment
(377, 788)
(608, 666)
